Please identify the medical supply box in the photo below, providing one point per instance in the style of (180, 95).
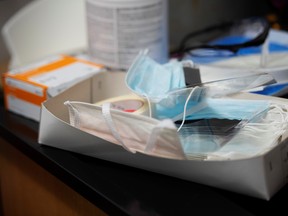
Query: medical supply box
(25, 88)
(259, 176)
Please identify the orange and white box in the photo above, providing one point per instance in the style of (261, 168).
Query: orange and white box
(27, 87)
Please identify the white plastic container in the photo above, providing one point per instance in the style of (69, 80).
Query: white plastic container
(119, 29)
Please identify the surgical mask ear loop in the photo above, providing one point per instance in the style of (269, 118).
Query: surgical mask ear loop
(274, 127)
(111, 125)
(278, 110)
(185, 108)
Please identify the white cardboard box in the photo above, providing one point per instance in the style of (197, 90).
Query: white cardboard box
(26, 87)
(260, 176)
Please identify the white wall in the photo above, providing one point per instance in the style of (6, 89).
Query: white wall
(7, 8)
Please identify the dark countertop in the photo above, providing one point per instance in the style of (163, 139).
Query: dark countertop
(123, 190)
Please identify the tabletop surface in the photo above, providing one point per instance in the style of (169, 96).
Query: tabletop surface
(122, 190)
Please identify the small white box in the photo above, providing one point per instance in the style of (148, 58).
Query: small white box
(260, 176)
(25, 88)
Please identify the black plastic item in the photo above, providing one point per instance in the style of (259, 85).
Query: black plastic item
(192, 76)
(211, 126)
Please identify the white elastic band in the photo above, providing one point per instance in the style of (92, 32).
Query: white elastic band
(185, 107)
(149, 105)
(109, 121)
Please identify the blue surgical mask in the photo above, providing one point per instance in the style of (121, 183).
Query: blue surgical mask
(164, 87)
(205, 139)
(200, 107)
(225, 108)
(149, 79)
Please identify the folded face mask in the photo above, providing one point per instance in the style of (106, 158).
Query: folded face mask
(149, 79)
(135, 133)
(225, 108)
(166, 92)
(192, 104)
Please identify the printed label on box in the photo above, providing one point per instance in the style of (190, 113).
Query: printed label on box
(25, 88)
